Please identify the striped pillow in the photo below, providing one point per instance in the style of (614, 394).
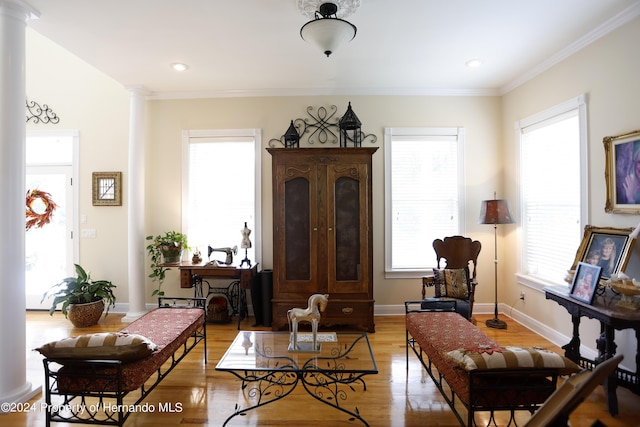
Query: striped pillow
(107, 345)
(510, 357)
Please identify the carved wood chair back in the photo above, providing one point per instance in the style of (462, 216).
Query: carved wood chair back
(458, 252)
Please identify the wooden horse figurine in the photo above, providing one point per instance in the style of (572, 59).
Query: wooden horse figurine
(317, 304)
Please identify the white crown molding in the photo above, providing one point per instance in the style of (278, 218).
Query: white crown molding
(21, 9)
(627, 15)
(241, 93)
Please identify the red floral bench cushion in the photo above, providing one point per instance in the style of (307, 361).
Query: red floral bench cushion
(439, 333)
(168, 328)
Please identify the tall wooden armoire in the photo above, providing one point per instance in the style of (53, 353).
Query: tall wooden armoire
(322, 233)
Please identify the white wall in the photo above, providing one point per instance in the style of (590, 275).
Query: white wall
(98, 107)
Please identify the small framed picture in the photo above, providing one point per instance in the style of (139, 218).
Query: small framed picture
(585, 282)
(107, 188)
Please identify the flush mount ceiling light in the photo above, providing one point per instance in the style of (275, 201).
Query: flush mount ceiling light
(474, 63)
(178, 66)
(326, 30)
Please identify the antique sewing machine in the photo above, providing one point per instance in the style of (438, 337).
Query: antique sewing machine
(229, 251)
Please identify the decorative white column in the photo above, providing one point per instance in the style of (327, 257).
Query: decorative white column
(135, 202)
(14, 386)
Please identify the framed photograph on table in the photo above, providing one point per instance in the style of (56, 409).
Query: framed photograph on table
(607, 247)
(622, 173)
(585, 282)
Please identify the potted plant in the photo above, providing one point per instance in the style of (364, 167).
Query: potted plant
(164, 249)
(83, 299)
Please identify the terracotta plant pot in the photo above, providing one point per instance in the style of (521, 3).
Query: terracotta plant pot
(84, 315)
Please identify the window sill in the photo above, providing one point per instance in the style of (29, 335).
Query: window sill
(536, 282)
(408, 274)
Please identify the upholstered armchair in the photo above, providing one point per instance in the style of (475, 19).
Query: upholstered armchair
(454, 284)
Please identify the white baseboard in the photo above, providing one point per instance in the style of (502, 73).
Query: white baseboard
(22, 395)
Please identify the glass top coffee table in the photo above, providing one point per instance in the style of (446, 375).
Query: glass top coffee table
(265, 366)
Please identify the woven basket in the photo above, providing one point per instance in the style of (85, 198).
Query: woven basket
(217, 310)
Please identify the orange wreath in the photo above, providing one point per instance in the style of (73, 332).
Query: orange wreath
(36, 219)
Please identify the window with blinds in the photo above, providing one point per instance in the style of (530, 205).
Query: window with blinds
(220, 189)
(424, 195)
(552, 171)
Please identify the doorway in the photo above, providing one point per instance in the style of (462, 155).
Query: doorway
(50, 250)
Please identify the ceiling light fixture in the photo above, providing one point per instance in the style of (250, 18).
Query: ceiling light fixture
(327, 31)
(474, 63)
(178, 66)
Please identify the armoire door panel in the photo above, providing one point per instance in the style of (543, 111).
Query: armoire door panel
(297, 230)
(347, 229)
(348, 239)
(295, 224)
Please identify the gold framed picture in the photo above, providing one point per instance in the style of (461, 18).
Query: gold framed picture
(107, 188)
(607, 247)
(622, 173)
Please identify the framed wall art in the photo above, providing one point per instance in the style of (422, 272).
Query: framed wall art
(585, 282)
(607, 247)
(107, 188)
(622, 173)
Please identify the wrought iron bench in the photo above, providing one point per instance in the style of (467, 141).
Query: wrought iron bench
(445, 343)
(106, 392)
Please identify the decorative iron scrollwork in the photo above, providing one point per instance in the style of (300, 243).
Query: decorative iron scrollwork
(322, 127)
(364, 137)
(40, 114)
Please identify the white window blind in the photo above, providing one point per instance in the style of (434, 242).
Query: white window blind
(220, 190)
(424, 196)
(551, 193)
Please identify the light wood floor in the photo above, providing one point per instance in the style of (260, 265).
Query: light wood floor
(393, 397)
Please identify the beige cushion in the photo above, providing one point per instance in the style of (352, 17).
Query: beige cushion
(451, 283)
(108, 345)
(512, 358)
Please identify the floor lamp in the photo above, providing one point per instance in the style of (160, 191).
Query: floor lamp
(495, 212)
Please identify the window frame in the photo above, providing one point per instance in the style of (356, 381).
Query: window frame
(578, 103)
(421, 132)
(256, 135)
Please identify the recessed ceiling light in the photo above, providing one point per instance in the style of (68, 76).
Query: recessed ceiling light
(178, 66)
(474, 63)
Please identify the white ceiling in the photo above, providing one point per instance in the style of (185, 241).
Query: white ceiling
(253, 47)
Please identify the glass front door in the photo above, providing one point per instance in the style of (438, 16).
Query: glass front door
(49, 249)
